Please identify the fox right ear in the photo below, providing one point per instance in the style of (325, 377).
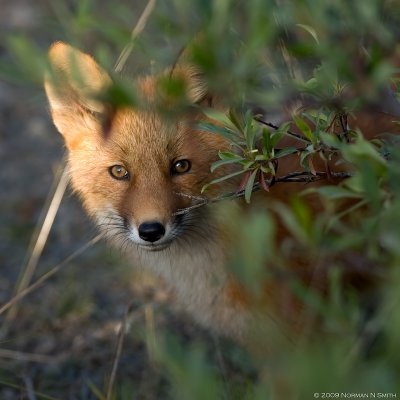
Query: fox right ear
(72, 87)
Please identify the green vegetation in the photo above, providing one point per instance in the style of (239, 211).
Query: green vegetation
(320, 68)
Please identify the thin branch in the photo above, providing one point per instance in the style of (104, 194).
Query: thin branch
(18, 297)
(119, 65)
(294, 177)
(120, 343)
(295, 135)
(29, 357)
(30, 393)
(39, 239)
(19, 388)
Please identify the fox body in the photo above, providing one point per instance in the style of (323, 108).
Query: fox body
(136, 177)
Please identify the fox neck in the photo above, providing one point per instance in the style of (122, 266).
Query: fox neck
(195, 270)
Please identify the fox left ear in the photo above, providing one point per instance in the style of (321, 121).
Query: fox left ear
(73, 87)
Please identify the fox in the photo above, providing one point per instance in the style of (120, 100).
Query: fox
(135, 175)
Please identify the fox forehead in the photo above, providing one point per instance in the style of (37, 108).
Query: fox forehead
(144, 132)
(145, 135)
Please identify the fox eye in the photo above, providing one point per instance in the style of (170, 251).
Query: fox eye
(181, 166)
(119, 172)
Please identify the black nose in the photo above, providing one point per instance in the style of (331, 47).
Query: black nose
(151, 231)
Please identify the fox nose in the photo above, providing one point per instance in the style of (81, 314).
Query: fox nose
(151, 231)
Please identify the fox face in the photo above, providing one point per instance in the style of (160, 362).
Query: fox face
(145, 173)
(136, 179)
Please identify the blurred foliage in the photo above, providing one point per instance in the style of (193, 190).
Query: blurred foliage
(323, 61)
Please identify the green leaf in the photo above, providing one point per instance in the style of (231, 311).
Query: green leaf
(226, 155)
(218, 116)
(291, 221)
(235, 120)
(278, 135)
(283, 128)
(249, 131)
(249, 186)
(227, 161)
(30, 61)
(335, 192)
(362, 149)
(355, 183)
(330, 139)
(221, 179)
(267, 140)
(248, 164)
(304, 128)
(286, 151)
(222, 131)
(304, 159)
(310, 30)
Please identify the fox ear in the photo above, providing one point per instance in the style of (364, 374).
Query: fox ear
(196, 86)
(72, 87)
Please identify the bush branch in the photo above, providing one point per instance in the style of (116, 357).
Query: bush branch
(296, 177)
(295, 135)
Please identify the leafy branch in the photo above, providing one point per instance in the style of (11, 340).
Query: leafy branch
(255, 153)
(296, 177)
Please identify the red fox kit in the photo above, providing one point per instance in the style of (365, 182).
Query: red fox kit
(135, 178)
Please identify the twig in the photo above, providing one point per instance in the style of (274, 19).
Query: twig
(294, 177)
(30, 393)
(120, 344)
(151, 342)
(41, 233)
(295, 135)
(222, 367)
(18, 387)
(28, 357)
(119, 65)
(48, 275)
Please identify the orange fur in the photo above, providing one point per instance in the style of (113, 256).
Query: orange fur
(192, 253)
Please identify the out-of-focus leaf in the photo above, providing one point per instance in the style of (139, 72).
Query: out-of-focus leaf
(221, 179)
(310, 30)
(220, 163)
(218, 116)
(304, 128)
(362, 149)
(29, 59)
(335, 192)
(249, 186)
(285, 151)
(226, 155)
(224, 132)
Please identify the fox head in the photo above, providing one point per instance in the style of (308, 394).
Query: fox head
(136, 177)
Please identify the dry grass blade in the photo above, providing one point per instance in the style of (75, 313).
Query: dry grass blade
(38, 395)
(119, 65)
(222, 368)
(48, 275)
(28, 357)
(120, 343)
(151, 341)
(30, 394)
(40, 238)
